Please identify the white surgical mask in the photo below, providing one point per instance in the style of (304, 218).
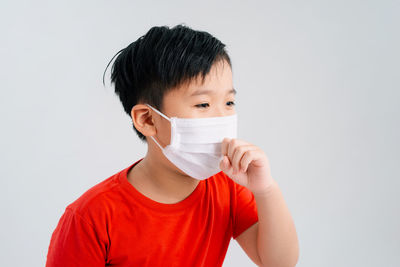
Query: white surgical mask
(195, 145)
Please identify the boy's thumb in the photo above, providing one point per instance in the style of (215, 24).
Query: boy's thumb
(224, 164)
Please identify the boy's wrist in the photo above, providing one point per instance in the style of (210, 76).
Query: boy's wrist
(266, 192)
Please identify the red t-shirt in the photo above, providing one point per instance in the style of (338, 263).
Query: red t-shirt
(113, 224)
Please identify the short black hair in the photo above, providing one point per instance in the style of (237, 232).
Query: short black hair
(161, 60)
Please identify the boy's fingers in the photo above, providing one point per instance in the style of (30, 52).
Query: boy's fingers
(233, 143)
(238, 154)
(246, 159)
(224, 146)
(225, 165)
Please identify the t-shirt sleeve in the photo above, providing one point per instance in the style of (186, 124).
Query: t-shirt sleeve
(75, 242)
(245, 212)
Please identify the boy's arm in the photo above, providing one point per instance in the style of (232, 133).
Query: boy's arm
(75, 242)
(272, 241)
(248, 241)
(275, 239)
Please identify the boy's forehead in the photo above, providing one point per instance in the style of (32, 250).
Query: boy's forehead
(217, 81)
(196, 87)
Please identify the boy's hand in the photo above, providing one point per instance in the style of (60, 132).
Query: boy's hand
(247, 165)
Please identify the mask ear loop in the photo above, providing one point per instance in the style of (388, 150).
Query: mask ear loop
(157, 143)
(159, 112)
(162, 116)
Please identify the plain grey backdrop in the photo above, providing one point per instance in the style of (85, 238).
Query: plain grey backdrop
(318, 91)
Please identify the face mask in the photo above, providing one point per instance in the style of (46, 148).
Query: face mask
(195, 145)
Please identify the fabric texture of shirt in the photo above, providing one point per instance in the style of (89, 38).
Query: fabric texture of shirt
(113, 224)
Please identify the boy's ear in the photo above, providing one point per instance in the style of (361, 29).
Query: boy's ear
(143, 120)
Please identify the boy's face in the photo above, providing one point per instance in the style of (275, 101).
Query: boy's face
(214, 98)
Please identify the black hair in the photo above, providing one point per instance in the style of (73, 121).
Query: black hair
(161, 60)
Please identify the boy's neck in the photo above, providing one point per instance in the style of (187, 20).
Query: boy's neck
(154, 178)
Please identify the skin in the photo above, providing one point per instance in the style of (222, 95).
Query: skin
(272, 241)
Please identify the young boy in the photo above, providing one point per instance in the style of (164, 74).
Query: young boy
(198, 185)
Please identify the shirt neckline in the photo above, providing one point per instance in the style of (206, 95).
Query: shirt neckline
(150, 203)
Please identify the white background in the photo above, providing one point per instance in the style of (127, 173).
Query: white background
(318, 91)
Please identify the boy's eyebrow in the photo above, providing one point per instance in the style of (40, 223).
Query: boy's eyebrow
(205, 92)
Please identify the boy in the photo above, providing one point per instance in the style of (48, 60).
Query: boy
(196, 188)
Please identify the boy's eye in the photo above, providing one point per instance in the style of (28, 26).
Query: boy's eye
(202, 105)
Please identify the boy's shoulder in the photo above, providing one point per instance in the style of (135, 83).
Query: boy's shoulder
(99, 198)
